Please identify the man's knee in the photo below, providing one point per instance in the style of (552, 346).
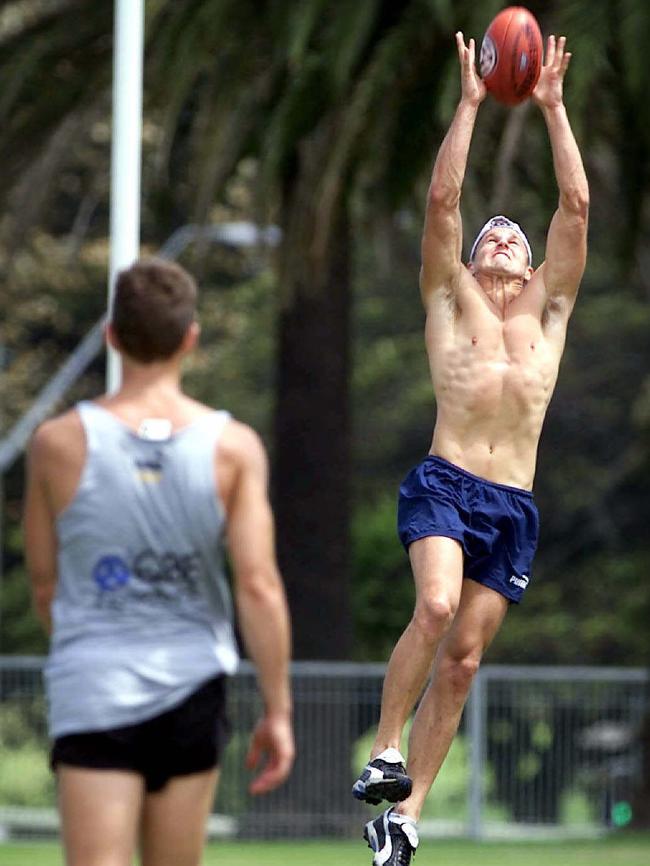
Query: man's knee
(433, 616)
(459, 671)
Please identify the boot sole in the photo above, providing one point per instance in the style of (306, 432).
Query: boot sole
(392, 790)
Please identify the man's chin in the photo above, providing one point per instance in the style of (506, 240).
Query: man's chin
(498, 269)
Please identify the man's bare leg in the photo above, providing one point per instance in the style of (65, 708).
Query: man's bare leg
(174, 820)
(100, 811)
(479, 617)
(437, 565)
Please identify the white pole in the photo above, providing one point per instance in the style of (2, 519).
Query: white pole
(125, 151)
(477, 734)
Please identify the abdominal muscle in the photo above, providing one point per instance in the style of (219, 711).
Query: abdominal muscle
(492, 391)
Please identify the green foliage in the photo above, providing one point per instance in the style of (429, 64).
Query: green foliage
(382, 586)
(47, 306)
(576, 810)
(232, 795)
(237, 324)
(25, 777)
(598, 611)
(21, 631)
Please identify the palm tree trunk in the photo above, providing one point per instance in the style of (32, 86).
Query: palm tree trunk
(311, 493)
(311, 468)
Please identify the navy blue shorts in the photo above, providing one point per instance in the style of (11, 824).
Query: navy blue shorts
(189, 738)
(496, 525)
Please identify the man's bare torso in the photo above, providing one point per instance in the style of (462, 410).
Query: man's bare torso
(494, 366)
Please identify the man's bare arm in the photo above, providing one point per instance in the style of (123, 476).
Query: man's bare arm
(442, 238)
(566, 246)
(40, 536)
(262, 609)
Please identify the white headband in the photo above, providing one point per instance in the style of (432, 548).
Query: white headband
(501, 222)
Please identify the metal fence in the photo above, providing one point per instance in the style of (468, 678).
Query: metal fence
(540, 751)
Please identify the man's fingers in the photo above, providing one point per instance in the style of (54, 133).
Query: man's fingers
(550, 51)
(460, 45)
(472, 53)
(464, 51)
(253, 755)
(267, 780)
(275, 772)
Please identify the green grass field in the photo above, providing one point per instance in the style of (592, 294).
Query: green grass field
(624, 850)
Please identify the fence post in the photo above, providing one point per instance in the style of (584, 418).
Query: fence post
(476, 728)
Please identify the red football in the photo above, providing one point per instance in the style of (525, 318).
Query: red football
(511, 55)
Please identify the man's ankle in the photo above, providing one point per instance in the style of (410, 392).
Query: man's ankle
(384, 746)
(407, 809)
(391, 754)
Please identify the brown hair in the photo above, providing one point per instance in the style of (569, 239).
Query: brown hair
(153, 306)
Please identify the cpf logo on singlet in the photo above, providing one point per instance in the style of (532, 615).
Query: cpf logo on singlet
(111, 573)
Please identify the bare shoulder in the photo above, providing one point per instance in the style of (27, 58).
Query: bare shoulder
(534, 299)
(448, 301)
(441, 291)
(58, 438)
(555, 307)
(242, 446)
(240, 462)
(445, 298)
(56, 457)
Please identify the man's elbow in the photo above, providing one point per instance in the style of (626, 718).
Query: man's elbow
(575, 202)
(260, 586)
(443, 197)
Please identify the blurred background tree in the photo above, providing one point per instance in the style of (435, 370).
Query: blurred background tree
(324, 119)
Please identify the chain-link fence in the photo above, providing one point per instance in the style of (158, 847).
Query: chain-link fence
(540, 751)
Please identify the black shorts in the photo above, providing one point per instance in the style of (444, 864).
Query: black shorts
(189, 738)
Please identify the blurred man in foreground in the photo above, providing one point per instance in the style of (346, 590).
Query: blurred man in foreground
(129, 498)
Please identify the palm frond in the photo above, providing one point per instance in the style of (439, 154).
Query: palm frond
(292, 30)
(55, 68)
(222, 128)
(193, 46)
(346, 41)
(299, 104)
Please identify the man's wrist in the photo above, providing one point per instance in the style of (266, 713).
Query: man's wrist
(557, 109)
(470, 102)
(281, 713)
(279, 704)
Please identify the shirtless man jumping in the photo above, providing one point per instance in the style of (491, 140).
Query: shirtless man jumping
(495, 331)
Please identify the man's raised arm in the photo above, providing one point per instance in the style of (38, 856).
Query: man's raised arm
(566, 246)
(443, 237)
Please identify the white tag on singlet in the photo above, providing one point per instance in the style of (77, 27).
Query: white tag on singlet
(155, 429)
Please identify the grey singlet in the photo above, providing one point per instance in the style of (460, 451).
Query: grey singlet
(142, 613)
